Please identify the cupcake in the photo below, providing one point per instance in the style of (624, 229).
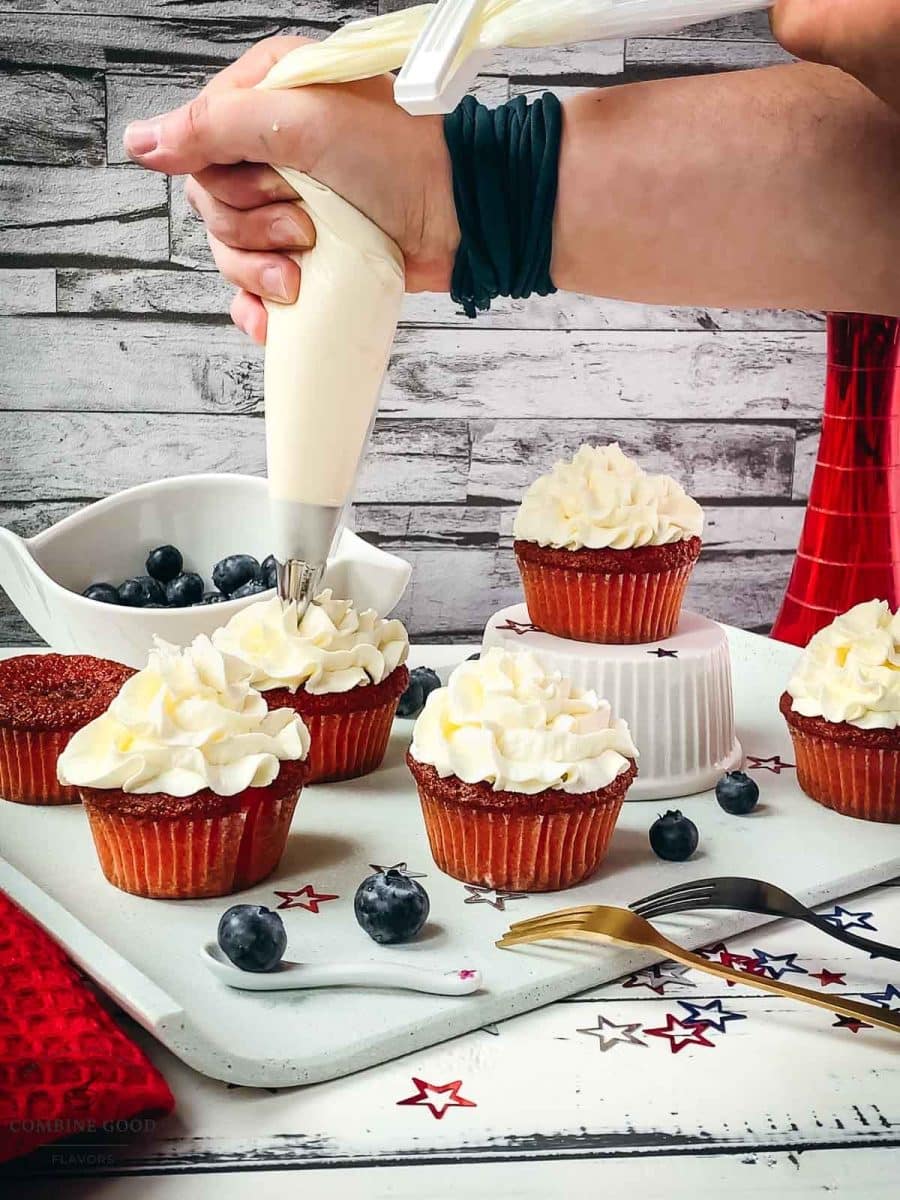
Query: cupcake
(842, 706)
(605, 550)
(189, 780)
(521, 776)
(44, 699)
(340, 669)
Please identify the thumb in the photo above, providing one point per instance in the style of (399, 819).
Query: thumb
(240, 125)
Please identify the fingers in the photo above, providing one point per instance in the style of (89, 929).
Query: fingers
(282, 226)
(249, 315)
(255, 63)
(245, 185)
(273, 276)
(231, 126)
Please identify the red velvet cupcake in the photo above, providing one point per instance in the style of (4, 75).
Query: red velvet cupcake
(44, 699)
(606, 551)
(521, 777)
(189, 780)
(340, 669)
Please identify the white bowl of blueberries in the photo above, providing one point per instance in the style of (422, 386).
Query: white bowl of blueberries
(174, 558)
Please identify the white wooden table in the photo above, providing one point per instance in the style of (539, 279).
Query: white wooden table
(619, 1089)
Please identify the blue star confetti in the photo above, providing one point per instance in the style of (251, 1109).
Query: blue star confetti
(885, 998)
(713, 1015)
(844, 919)
(766, 962)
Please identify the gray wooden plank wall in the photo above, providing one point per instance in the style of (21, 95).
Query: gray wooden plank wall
(113, 329)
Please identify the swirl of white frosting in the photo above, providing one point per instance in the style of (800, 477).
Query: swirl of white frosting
(503, 720)
(850, 671)
(603, 500)
(332, 648)
(189, 720)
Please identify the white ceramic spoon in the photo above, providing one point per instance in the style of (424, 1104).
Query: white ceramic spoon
(289, 975)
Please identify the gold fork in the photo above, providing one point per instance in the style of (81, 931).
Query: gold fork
(619, 925)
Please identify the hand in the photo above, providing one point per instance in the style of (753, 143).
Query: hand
(862, 37)
(351, 137)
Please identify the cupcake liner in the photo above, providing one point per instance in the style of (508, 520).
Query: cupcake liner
(858, 781)
(170, 859)
(348, 731)
(518, 846)
(596, 606)
(266, 827)
(28, 766)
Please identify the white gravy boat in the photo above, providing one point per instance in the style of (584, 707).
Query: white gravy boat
(206, 517)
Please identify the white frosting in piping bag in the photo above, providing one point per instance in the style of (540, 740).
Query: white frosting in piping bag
(332, 648)
(503, 720)
(189, 720)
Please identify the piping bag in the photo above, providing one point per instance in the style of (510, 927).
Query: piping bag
(326, 354)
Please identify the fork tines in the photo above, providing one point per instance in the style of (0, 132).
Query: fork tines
(680, 898)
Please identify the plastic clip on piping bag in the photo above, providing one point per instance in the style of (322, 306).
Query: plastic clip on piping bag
(326, 354)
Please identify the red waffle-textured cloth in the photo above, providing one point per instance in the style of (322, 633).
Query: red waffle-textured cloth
(65, 1066)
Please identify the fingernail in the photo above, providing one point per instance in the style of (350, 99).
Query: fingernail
(141, 137)
(273, 284)
(286, 232)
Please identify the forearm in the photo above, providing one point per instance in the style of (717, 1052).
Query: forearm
(773, 188)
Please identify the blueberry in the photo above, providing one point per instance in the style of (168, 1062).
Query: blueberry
(253, 588)
(422, 682)
(267, 572)
(391, 907)
(737, 793)
(104, 593)
(674, 837)
(252, 936)
(209, 598)
(164, 563)
(141, 591)
(233, 572)
(184, 590)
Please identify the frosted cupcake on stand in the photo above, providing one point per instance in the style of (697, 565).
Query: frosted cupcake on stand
(341, 670)
(842, 706)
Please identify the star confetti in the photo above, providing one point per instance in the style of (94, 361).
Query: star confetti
(712, 1015)
(661, 652)
(426, 1090)
(826, 978)
(401, 867)
(740, 962)
(773, 764)
(519, 628)
(480, 895)
(659, 977)
(681, 1034)
(491, 1029)
(844, 919)
(311, 903)
(624, 1037)
(884, 998)
(852, 1023)
(767, 961)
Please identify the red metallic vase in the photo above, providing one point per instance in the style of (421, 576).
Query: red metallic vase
(849, 549)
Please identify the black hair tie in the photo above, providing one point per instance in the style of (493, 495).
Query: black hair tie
(505, 169)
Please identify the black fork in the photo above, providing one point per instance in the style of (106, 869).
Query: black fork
(750, 895)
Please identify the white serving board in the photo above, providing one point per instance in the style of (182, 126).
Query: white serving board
(145, 952)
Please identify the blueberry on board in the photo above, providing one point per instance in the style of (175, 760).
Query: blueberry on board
(391, 907)
(184, 590)
(253, 588)
(164, 563)
(267, 572)
(252, 937)
(210, 598)
(233, 572)
(674, 837)
(422, 682)
(104, 593)
(141, 591)
(737, 793)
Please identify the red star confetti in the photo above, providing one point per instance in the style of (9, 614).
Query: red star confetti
(466, 974)
(426, 1090)
(740, 962)
(310, 903)
(519, 627)
(681, 1034)
(826, 978)
(773, 764)
(851, 1023)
